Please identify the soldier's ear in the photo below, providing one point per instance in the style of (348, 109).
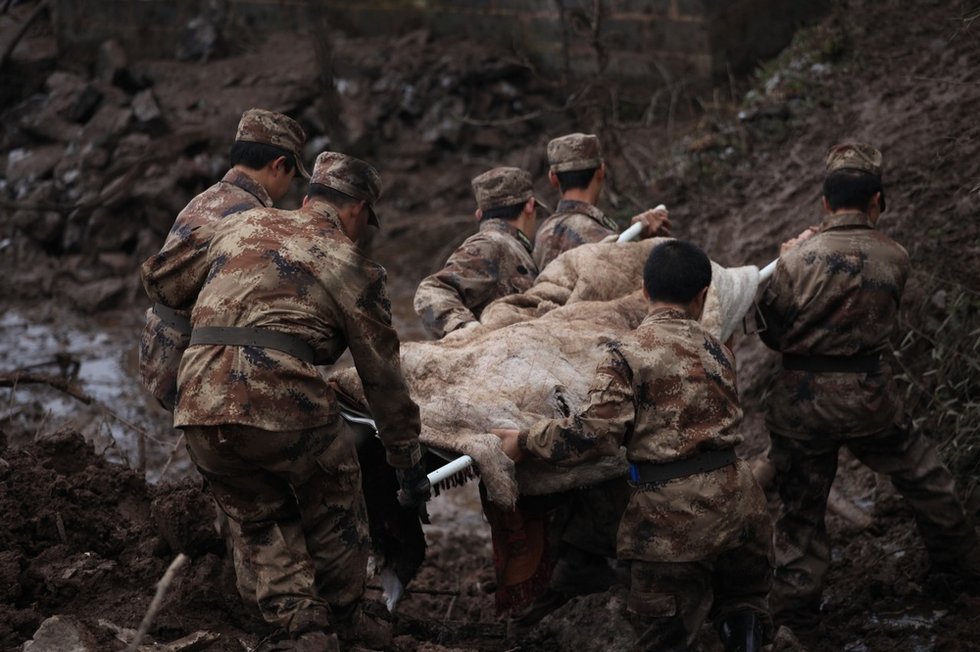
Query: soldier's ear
(553, 178)
(530, 206)
(825, 204)
(478, 213)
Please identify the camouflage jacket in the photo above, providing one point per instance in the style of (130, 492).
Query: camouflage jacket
(161, 344)
(574, 223)
(836, 294)
(490, 264)
(293, 272)
(668, 393)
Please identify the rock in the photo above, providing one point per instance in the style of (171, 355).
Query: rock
(107, 125)
(62, 634)
(46, 228)
(99, 295)
(84, 105)
(146, 111)
(111, 61)
(594, 622)
(198, 41)
(28, 165)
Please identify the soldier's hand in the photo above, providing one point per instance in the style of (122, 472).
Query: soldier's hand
(656, 222)
(413, 485)
(805, 235)
(510, 442)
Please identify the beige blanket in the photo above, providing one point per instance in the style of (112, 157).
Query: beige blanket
(533, 357)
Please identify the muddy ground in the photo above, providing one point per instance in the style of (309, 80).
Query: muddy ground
(99, 154)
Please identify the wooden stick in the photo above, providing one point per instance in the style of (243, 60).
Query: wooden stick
(61, 384)
(151, 613)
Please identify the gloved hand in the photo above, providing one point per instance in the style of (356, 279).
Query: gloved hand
(413, 485)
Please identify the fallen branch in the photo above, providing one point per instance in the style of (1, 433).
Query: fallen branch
(17, 378)
(151, 613)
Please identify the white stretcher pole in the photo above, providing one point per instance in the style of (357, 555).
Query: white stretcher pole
(454, 467)
(440, 474)
(635, 229)
(766, 272)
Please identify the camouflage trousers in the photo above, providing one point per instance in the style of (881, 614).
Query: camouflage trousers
(669, 601)
(805, 471)
(297, 516)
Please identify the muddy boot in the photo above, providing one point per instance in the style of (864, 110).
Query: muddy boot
(317, 642)
(742, 632)
(308, 642)
(579, 572)
(364, 625)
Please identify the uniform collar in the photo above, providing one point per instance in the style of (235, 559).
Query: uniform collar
(846, 219)
(664, 313)
(587, 209)
(248, 184)
(501, 226)
(324, 209)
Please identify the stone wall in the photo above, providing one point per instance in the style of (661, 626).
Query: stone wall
(643, 41)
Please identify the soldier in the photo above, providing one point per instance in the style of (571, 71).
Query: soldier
(696, 525)
(277, 293)
(578, 171)
(493, 263)
(265, 157)
(830, 309)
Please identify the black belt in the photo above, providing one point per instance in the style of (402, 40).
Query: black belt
(262, 337)
(829, 364)
(175, 320)
(650, 473)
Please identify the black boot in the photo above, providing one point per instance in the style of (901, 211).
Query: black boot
(741, 632)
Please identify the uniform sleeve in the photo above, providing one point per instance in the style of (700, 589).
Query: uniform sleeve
(777, 308)
(176, 274)
(603, 424)
(454, 295)
(375, 348)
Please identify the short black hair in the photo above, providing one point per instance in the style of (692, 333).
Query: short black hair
(330, 195)
(511, 212)
(676, 271)
(851, 189)
(256, 156)
(575, 179)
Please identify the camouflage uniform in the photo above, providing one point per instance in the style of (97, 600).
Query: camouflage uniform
(833, 301)
(574, 222)
(668, 393)
(167, 331)
(262, 424)
(493, 263)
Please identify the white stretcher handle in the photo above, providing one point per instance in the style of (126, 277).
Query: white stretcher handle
(766, 272)
(635, 229)
(440, 474)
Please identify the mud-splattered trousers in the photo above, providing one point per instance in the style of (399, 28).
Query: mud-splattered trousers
(260, 421)
(699, 545)
(574, 223)
(295, 498)
(833, 301)
(495, 262)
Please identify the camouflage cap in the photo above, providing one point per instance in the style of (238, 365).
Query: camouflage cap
(854, 156)
(269, 128)
(503, 187)
(351, 176)
(574, 152)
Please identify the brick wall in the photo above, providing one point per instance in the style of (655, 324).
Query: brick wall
(641, 41)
